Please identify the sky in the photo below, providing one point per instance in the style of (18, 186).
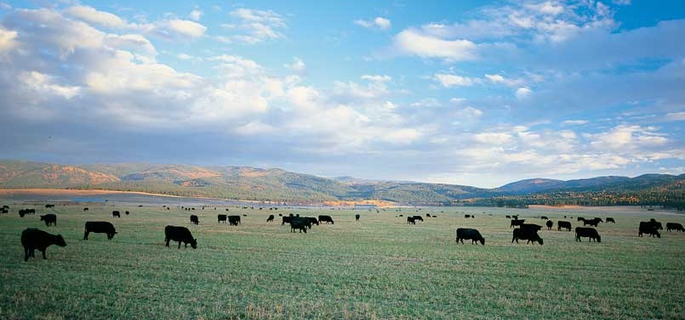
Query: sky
(478, 93)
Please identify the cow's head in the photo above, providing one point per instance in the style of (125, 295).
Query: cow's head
(193, 244)
(60, 241)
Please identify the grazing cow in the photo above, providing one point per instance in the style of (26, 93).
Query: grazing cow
(179, 234)
(428, 215)
(116, 214)
(221, 218)
(49, 219)
(411, 220)
(127, 213)
(656, 223)
(467, 216)
(32, 239)
(270, 218)
(580, 219)
(649, 228)
(310, 221)
(469, 234)
(609, 219)
(23, 212)
(563, 225)
(593, 222)
(526, 234)
(674, 226)
(194, 219)
(301, 224)
(508, 217)
(326, 219)
(516, 223)
(99, 227)
(401, 215)
(418, 218)
(587, 233)
(233, 220)
(544, 218)
(549, 224)
(47, 206)
(85, 209)
(356, 217)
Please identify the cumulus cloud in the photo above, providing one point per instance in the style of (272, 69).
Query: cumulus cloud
(195, 15)
(297, 66)
(254, 26)
(453, 80)
(377, 23)
(93, 16)
(417, 43)
(523, 92)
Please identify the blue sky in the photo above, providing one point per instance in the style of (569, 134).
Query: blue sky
(469, 92)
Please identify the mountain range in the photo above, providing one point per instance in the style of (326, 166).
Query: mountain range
(248, 183)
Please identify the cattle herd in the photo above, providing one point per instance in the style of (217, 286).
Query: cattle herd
(32, 238)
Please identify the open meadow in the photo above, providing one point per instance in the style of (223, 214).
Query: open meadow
(377, 268)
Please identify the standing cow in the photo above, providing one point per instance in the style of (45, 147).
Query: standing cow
(591, 233)
(549, 224)
(410, 220)
(49, 219)
(674, 226)
(326, 219)
(515, 223)
(270, 218)
(32, 239)
(650, 228)
(563, 225)
(529, 234)
(194, 219)
(469, 234)
(356, 217)
(99, 227)
(221, 218)
(179, 234)
(610, 219)
(116, 214)
(233, 220)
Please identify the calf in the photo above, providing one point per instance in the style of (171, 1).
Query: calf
(233, 220)
(221, 218)
(563, 225)
(194, 219)
(469, 234)
(356, 217)
(179, 234)
(99, 227)
(32, 239)
(116, 214)
(270, 218)
(649, 228)
(609, 219)
(326, 219)
(467, 216)
(49, 219)
(549, 224)
(85, 209)
(587, 233)
(674, 226)
(411, 220)
(515, 223)
(526, 234)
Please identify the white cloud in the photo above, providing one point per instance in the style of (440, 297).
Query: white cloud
(298, 65)
(376, 78)
(7, 39)
(575, 122)
(254, 26)
(415, 42)
(427, 102)
(468, 112)
(42, 84)
(671, 116)
(523, 92)
(627, 137)
(547, 8)
(195, 15)
(184, 28)
(377, 23)
(96, 17)
(453, 80)
(499, 79)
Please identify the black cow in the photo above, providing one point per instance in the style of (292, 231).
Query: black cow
(674, 226)
(593, 222)
(563, 225)
(32, 239)
(127, 213)
(535, 227)
(233, 220)
(49, 219)
(301, 224)
(23, 212)
(526, 234)
(326, 219)
(411, 220)
(544, 218)
(99, 227)
(287, 219)
(587, 233)
(221, 218)
(270, 218)
(649, 228)
(356, 217)
(508, 217)
(469, 234)
(609, 219)
(467, 216)
(418, 218)
(47, 206)
(516, 223)
(179, 234)
(428, 215)
(311, 221)
(85, 209)
(580, 219)
(194, 219)
(549, 224)
(656, 223)
(116, 214)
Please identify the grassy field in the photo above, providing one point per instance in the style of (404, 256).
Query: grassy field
(378, 268)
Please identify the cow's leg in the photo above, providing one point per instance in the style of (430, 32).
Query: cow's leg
(85, 235)
(167, 241)
(26, 254)
(43, 251)
(179, 244)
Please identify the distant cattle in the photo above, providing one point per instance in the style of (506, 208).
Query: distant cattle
(515, 217)
(140, 206)
(127, 213)
(593, 222)
(674, 226)
(418, 218)
(580, 219)
(99, 227)
(270, 218)
(311, 221)
(411, 220)
(300, 224)
(226, 209)
(179, 234)
(467, 216)
(469, 234)
(116, 214)
(221, 218)
(233, 220)
(544, 218)
(563, 225)
(47, 206)
(428, 215)
(591, 233)
(356, 217)
(508, 217)
(526, 234)
(194, 219)
(85, 209)
(49, 219)
(401, 215)
(515, 223)
(326, 219)
(609, 219)
(549, 224)
(650, 228)
(23, 212)
(32, 239)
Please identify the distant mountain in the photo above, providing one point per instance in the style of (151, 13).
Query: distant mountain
(248, 183)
